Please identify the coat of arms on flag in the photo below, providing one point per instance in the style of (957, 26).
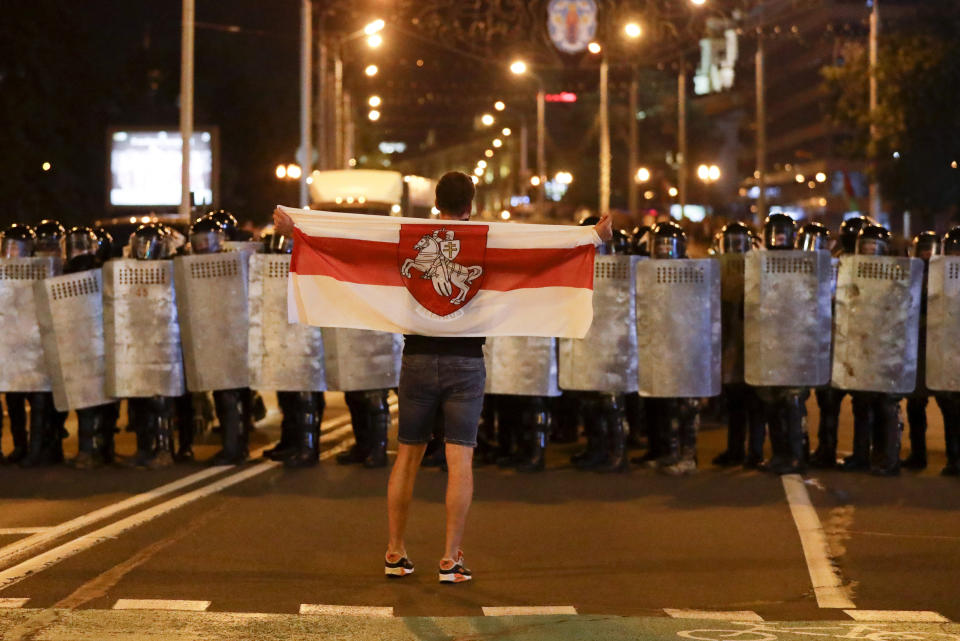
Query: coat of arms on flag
(442, 268)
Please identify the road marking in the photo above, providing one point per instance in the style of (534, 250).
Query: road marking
(24, 530)
(827, 585)
(161, 604)
(527, 610)
(897, 616)
(10, 603)
(348, 610)
(716, 615)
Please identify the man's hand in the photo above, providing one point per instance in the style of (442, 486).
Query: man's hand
(282, 223)
(604, 228)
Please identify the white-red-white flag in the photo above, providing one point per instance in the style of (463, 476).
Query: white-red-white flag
(440, 277)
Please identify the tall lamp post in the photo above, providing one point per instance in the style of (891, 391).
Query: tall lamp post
(186, 105)
(371, 31)
(519, 68)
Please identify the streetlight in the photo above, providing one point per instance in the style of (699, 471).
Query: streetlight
(488, 153)
(374, 115)
(535, 181)
(699, 3)
(594, 47)
(821, 177)
(486, 119)
(374, 101)
(281, 171)
(708, 173)
(673, 192)
(375, 41)
(294, 172)
(506, 132)
(518, 67)
(643, 175)
(633, 30)
(564, 177)
(497, 143)
(482, 164)
(371, 70)
(499, 105)
(374, 27)
(478, 171)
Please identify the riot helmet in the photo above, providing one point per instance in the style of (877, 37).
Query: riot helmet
(813, 236)
(227, 222)
(147, 243)
(81, 249)
(620, 243)
(735, 238)
(278, 244)
(49, 242)
(779, 232)
(925, 245)
(104, 244)
(849, 229)
(669, 241)
(873, 240)
(640, 240)
(18, 241)
(206, 236)
(951, 242)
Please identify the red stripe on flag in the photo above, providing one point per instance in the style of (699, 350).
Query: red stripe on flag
(369, 262)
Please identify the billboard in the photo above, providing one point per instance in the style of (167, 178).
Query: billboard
(143, 167)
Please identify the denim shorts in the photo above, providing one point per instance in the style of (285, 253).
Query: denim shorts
(438, 391)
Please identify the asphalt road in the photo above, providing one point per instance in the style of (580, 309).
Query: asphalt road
(611, 556)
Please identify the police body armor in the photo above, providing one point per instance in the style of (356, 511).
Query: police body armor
(605, 360)
(943, 324)
(360, 359)
(521, 365)
(141, 331)
(211, 292)
(877, 324)
(731, 316)
(283, 356)
(21, 349)
(70, 315)
(787, 318)
(678, 309)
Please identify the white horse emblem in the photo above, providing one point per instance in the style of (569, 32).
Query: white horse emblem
(435, 258)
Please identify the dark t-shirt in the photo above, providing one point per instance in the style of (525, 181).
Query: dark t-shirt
(443, 346)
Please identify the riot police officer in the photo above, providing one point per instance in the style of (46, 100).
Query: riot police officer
(949, 402)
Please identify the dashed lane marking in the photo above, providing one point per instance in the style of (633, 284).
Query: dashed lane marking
(348, 610)
(11, 603)
(24, 530)
(527, 610)
(897, 616)
(161, 604)
(827, 584)
(715, 615)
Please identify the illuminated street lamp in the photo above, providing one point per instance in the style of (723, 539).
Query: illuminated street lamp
(594, 47)
(478, 171)
(564, 177)
(633, 30)
(488, 153)
(708, 173)
(293, 172)
(374, 115)
(497, 143)
(535, 181)
(699, 3)
(374, 101)
(643, 175)
(673, 192)
(499, 105)
(821, 177)
(506, 132)
(486, 120)
(482, 164)
(375, 41)
(505, 215)
(518, 67)
(371, 70)
(281, 171)
(374, 27)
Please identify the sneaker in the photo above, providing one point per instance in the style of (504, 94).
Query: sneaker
(397, 569)
(457, 573)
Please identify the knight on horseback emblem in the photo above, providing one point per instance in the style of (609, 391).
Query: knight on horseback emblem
(436, 260)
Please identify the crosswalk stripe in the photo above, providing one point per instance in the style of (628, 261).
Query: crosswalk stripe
(716, 615)
(9, 531)
(527, 610)
(161, 604)
(10, 603)
(348, 610)
(897, 616)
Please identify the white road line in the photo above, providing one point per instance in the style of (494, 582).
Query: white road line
(716, 615)
(24, 530)
(161, 604)
(13, 603)
(827, 585)
(528, 610)
(348, 610)
(897, 616)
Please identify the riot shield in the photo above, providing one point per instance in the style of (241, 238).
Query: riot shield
(21, 349)
(731, 316)
(678, 321)
(877, 323)
(360, 359)
(943, 324)
(521, 365)
(140, 328)
(605, 360)
(787, 318)
(284, 356)
(70, 314)
(214, 323)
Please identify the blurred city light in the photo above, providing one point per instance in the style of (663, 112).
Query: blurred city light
(648, 195)
(708, 173)
(293, 171)
(371, 70)
(800, 178)
(281, 171)
(506, 132)
(45, 166)
(633, 30)
(374, 101)
(478, 171)
(564, 177)
(505, 215)
(535, 181)
(594, 47)
(474, 179)
(698, 2)
(482, 164)
(486, 119)
(497, 143)
(714, 173)
(643, 175)
(821, 177)
(145, 219)
(374, 115)
(488, 153)
(374, 27)
(375, 41)
(673, 192)
(518, 67)
(499, 105)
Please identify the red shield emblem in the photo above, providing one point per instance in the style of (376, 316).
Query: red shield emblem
(442, 267)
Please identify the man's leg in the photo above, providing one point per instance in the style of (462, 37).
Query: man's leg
(400, 493)
(459, 495)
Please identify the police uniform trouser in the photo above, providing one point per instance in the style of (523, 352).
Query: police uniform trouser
(949, 403)
(917, 419)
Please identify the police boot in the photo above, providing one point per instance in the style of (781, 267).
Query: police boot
(825, 456)
(617, 433)
(951, 437)
(44, 430)
(669, 463)
(509, 431)
(862, 427)
(307, 453)
(89, 440)
(633, 409)
(358, 421)
(687, 423)
(594, 426)
(228, 407)
(163, 442)
(917, 418)
(794, 459)
(889, 427)
(736, 427)
(567, 426)
(378, 421)
(287, 445)
(186, 428)
(18, 431)
(539, 421)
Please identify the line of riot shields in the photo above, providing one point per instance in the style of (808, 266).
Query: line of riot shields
(759, 324)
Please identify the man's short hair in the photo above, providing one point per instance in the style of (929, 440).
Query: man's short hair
(455, 192)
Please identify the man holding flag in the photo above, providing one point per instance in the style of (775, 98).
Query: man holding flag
(445, 286)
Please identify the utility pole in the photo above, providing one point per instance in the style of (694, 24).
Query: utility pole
(604, 207)
(348, 130)
(761, 132)
(186, 106)
(874, 37)
(633, 200)
(541, 151)
(306, 95)
(320, 100)
(338, 105)
(682, 136)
